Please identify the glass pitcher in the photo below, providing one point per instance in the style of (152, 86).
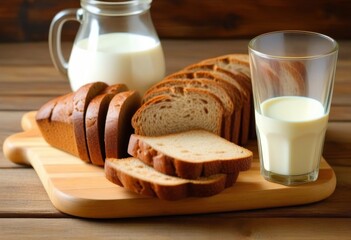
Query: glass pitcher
(116, 43)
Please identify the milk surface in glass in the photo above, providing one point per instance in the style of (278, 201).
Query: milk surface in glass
(128, 58)
(291, 132)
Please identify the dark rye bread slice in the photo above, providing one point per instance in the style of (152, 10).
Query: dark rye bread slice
(81, 100)
(205, 84)
(134, 175)
(232, 91)
(182, 109)
(95, 122)
(190, 154)
(118, 126)
(54, 119)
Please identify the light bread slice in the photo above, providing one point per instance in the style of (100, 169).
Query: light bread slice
(207, 85)
(182, 109)
(118, 123)
(137, 177)
(95, 122)
(232, 90)
(81, 99)
(190, 154)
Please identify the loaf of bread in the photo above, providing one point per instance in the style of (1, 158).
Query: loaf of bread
(76, 122)
(140, 178)
(191, 154)
(54, 119)
(62, 120)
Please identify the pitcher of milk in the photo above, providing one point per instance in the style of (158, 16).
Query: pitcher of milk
(116, 43)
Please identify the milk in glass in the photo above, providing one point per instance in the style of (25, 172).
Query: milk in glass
(291, 133)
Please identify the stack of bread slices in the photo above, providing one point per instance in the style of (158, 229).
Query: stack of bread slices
(214, 94)
(194, 163)
(181, 135)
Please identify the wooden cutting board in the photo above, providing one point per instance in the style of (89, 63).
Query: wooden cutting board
(81, 189)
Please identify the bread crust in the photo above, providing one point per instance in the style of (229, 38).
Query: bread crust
(95, 123)
(147, 187)
(81, 100)
(118, 126)
(55, 119)
(185, 168)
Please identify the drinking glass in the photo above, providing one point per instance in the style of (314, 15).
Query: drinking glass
(293, 78)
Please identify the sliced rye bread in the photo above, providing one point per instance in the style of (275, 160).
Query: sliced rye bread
(236, 62)
(232, 90)
(95, 122)
(140, 178)
(190, 154)
(81, 100)
(54, 119)
(182, 109)
(208, 86)
(243, 85)
(118, 123)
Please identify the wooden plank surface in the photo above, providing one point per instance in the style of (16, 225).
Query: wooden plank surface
(24, 202)
(23, 20)
(192, 227)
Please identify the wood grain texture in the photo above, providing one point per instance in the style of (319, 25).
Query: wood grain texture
(192, 227)
(23, 20)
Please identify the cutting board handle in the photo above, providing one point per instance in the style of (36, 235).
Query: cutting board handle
(28, 121)
(13, 145)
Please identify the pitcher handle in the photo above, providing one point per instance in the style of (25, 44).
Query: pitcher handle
(74, 14)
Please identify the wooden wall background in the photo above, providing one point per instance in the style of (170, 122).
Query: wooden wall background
(29, 20)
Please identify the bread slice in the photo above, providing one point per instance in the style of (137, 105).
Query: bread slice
(190, 154)
(232, 90)
(95, 123)
(232, 62)
(137, 177)
(54, 119)
(118, 126)
(183, 109)
(207, 85)
(81, 100)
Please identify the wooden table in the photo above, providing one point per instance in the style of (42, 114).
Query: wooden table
(28, 79)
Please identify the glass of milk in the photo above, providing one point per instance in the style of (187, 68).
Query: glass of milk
(116, 43)
(292, 76)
